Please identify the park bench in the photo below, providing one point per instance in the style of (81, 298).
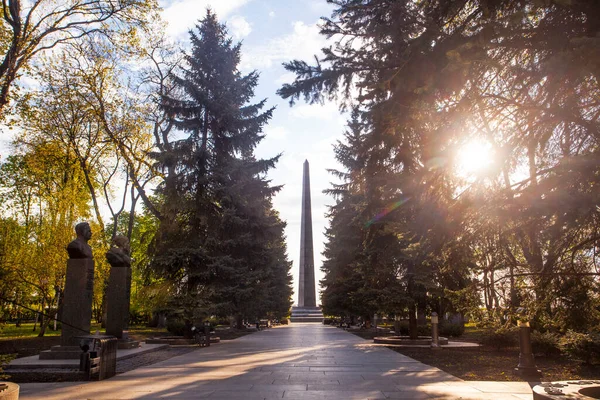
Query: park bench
(264, 323)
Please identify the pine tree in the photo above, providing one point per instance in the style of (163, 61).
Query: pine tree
(218, 222)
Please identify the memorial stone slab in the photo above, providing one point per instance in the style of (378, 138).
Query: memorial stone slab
(77, 303)
(118, 297)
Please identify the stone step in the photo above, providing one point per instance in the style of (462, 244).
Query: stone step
(306, 319)
(307, 313)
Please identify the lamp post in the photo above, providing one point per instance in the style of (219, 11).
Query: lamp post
(526, 367)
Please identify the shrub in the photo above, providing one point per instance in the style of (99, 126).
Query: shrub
(328, 321)
(501, 337)
(424, 330)
(284, 321)
(545, 343)
(449, 329)
(402, 328)
(176, 327)
(581, 346)
(4, 360)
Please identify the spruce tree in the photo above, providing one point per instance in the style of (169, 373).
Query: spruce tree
(218, 222)
(521, 76)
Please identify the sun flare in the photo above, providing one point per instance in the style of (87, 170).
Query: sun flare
(473, 158)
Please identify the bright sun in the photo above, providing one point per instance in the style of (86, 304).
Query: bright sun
(473, 158)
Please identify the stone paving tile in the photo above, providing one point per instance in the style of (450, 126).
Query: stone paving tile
(293, 386)
(237, 387)
(500, 387)
(355, 386)
(231, 395)
(276, 368)
(522, 396)
(346, 369)
(413, 394)
(321, 381)
(302, 361)
(338, 395)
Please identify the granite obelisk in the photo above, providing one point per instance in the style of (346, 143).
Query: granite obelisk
(306, 289)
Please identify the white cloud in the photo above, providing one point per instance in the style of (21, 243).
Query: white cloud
(302, 44)
(326, 111)
(321, 7)
(276, 133)
(182, 15)
(238, 27)
(272, 14)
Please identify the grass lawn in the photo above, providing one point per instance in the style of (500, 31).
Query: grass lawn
(486, 363)
(23, 341)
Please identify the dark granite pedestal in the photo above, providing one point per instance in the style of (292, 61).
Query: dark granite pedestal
(77, 309)
(117, 312)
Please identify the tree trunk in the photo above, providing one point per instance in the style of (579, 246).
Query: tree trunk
(413, 330)
(44, 325)
(421, 310)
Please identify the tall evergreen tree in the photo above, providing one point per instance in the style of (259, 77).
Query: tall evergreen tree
(343, 284)
(218, 223)
(521, 76)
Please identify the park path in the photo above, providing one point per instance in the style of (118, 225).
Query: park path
(299, 361)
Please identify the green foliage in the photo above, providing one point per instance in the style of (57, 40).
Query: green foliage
(581, 346)
(219, 243)
(450, 329)
(4, 360)
(546, 343)
(432, 79)
(401, 328)
(176, 326)
(500, 337)
(424, 330)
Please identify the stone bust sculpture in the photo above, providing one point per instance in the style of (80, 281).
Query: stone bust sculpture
(118, 255)
(79, 248)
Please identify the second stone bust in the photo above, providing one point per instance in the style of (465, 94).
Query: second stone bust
(118, 255)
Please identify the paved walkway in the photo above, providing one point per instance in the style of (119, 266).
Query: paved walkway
(301, 361)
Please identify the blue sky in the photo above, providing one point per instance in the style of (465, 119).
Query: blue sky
(272, 32)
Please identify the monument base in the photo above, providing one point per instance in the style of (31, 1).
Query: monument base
(61, 353)
(306, 314)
